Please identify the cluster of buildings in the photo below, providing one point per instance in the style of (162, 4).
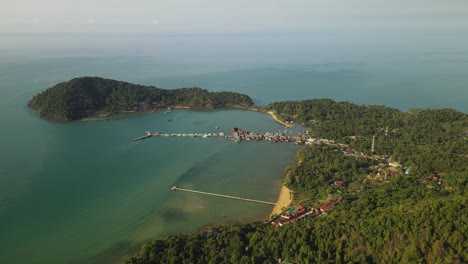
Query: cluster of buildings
(321, 141)
(204, 135)
(298, 213)
(238, 135)
(386, 168)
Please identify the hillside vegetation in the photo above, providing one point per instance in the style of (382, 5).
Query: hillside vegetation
(415, 214)
(88, 96)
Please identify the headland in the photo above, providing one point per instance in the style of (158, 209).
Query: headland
(94, 96)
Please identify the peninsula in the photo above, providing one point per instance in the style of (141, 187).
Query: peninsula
(90, 96)
(373, 185)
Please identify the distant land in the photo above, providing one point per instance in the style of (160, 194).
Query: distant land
(90, 96)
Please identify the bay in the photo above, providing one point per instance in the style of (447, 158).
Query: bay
(89, 188)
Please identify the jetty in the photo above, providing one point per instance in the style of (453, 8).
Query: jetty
(175, 188)
(147, 135)
(238, 135)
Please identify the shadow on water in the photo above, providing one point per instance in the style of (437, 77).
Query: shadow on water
(117, 253)
(198, 168)
(120, 251)
(173, 214)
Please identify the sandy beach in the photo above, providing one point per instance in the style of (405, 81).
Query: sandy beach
(181, 107)
(277, 119)
(284, 200)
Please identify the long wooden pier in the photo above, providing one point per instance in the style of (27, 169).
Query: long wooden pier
(175, 188)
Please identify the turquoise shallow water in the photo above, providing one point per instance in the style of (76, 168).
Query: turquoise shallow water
(83, 192)
(88, 188)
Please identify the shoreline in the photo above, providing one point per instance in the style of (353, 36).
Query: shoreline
(277, 119)
(103, 117)
(284, 200)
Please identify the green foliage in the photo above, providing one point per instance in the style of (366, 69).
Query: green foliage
(426, 231)
(87, 96)
(318, 167)
(427, 141)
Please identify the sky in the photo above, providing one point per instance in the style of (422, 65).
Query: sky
(221, 16)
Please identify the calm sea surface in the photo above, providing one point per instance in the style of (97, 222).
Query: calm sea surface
(83, 192)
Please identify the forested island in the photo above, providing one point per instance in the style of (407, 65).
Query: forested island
(89, 96)
(409, 210)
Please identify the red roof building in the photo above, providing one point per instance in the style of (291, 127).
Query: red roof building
(349, 151)
(325, 208)
(339, 182)
(300, 210)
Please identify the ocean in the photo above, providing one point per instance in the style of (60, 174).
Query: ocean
(84, 192)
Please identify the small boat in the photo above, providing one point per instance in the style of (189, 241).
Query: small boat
(216, 127)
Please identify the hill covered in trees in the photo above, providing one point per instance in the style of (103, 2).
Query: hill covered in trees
(88, 96)
(415, 214)
(430, 141)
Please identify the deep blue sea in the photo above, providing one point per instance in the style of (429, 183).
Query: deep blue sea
(84, 192)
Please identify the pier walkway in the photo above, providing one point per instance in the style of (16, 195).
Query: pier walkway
(235, 135)
(175, 188)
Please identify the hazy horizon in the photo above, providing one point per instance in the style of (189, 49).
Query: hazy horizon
(242, 16)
